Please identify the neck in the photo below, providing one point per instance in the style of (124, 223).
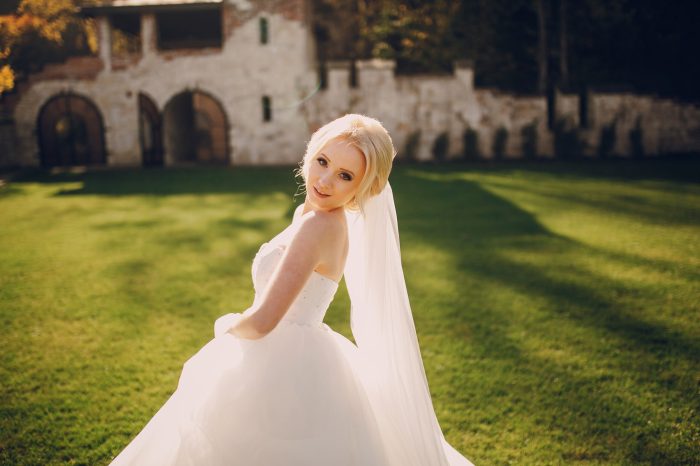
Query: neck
(308, 207)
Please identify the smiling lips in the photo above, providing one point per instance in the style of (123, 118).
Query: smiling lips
(319, 193)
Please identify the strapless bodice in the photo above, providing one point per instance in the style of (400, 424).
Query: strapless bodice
(311, 305)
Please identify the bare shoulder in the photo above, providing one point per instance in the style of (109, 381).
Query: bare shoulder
(324, 227)
(322, 237)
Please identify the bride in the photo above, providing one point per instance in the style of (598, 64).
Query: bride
(278, 387)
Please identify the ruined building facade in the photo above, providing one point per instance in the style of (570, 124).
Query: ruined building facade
(235, 82)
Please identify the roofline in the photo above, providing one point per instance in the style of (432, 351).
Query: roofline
(98, 10)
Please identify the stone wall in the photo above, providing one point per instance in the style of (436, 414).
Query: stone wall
(243, 70)
(451, 104)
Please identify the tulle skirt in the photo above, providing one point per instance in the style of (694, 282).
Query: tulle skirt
(291, 398)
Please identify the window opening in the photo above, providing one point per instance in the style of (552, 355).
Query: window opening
(267, 108)
(126, 33)
(189, 30)
(264, 31)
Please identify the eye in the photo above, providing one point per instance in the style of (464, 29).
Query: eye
(322, 161)
(346, 176)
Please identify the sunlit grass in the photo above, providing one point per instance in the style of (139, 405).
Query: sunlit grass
(556, 304)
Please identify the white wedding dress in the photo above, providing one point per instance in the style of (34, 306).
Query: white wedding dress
(292, 398)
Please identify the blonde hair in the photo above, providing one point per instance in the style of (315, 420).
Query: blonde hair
(368, 136)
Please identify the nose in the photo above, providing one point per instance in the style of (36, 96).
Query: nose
(324, 181)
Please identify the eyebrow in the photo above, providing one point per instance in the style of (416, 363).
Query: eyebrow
(345, 169)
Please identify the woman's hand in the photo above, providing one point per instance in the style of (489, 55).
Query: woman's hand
(239, 325)
(225, 322)
(247, 327)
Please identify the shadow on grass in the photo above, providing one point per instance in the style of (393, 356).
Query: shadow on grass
(477, 230)
(661, 210)
(488, 223)
(672, 167)
(169, 181)
(231, 179)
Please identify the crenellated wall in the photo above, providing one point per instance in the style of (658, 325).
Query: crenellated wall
(451, 104)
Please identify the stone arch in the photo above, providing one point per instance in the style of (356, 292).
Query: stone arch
(70, 131)
(195, 129)
(150, 132)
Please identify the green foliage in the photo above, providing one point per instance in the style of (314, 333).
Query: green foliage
(567, 144)
(555, 304)
(470, 139)
(410, 150)
(441, 147)
(636, 136)
(608, 136)
(500, 139)
(528, 134)
(414, 34)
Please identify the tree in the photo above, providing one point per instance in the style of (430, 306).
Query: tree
(40, 32)
(542, 47)
(416, 34)
(563, 44)
(529, 45)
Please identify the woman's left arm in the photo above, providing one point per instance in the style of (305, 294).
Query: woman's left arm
(302, 255)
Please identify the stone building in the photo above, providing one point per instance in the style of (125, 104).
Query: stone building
(236, 82)
(211, 82)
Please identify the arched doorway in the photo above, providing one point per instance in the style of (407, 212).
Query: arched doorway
(195, 129)
(150, 134)
(70, 132)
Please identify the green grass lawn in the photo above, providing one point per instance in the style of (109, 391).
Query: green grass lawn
(557, 304)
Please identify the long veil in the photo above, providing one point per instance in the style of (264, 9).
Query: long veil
(382, 325)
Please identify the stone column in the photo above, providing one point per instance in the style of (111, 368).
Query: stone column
(464, 103)
(378, 90)
(148, 35)
(339, 75)
(464, 72)
(375, 72)
(105, 40)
